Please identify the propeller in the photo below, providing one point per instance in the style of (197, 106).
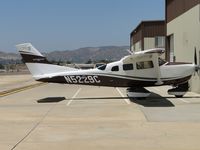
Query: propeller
(195, 56)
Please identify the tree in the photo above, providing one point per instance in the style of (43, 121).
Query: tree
(2, 66)
(89, 61)
(68, 62)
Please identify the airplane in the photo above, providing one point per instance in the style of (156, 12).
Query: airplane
(135, 71)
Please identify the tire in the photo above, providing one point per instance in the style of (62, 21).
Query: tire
(178, 96)
(140, 98)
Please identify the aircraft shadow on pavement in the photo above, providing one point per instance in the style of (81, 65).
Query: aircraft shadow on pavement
(51, 100)
(154, 100)
(99, 98)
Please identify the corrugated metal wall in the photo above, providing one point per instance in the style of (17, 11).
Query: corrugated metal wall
(147, 29)
(153, 29)
(174, 8)
(136, 36)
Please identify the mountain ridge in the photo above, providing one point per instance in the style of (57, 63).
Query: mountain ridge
(81, 55)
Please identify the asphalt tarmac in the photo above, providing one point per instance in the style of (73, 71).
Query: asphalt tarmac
(54, 116)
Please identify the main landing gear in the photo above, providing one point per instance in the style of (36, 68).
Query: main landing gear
(137, 92)
(179, 90)
(141, 93)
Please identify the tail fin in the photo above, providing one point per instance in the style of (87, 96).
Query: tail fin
(30, 54)
(37, 64)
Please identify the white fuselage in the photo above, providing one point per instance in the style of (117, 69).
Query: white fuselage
(168, 74)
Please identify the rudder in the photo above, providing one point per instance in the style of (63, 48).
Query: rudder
(30, 54)
(37, 64)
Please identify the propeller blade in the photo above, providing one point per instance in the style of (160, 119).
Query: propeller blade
(199, 65)
(195, 56)
(199, 58)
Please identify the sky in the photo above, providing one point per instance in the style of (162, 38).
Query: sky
(70, 24)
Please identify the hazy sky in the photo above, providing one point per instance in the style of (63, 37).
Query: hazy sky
(69, 24)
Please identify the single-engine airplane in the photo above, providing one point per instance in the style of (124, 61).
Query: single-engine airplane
(135, 71)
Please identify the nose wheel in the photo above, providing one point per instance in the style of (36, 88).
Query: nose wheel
(179, 96)
(179, 91)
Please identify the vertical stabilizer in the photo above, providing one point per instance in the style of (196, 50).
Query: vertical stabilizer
(37, 64)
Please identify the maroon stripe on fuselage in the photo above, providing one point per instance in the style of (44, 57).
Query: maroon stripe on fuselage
(115, 81)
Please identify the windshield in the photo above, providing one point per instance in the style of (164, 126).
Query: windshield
(161, 61)
(102, 67)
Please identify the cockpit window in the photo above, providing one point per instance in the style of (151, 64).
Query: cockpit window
(127, 67)
(115, 68)
(161, 61)
(102, 67)
(144, 65)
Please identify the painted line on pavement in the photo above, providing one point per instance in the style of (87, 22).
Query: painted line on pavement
(16, 90)
(74, 96)
(160, 91)
(33, 128)
(185, 101)
(122, 95)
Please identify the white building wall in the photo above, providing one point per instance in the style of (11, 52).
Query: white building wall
(132, 48)
(149, 43)
(186, 30)
(137, 46)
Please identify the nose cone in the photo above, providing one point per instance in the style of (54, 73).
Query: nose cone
(188, 69)
(193, 68)
(197, 68)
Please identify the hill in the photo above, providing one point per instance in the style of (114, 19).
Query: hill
(81, 55)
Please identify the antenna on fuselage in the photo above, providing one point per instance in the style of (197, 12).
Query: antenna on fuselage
(130, 52)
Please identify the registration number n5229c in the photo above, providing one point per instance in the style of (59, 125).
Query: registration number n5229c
(82, 79)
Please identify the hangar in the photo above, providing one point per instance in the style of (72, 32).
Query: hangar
(183, 33)
(147, 35)
(179, 33)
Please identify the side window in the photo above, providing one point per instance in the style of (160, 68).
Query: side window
(127, 67)
(144, 65)
(102, 67)
(115, 68)
(161, 61)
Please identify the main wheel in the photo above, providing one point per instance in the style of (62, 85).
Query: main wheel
(139, 98)
(178, 96)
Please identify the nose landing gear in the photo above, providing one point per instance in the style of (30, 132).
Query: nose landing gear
(179, 91)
